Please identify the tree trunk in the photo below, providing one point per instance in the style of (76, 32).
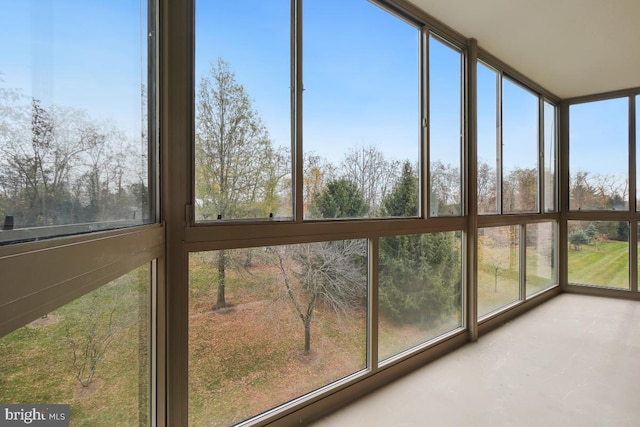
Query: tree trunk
(248, 261)
(221, 301)
(307, 336)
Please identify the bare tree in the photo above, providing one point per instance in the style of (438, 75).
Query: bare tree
(317, 173)
(367, 167)
(446, 183)
(581, 192)
(39, 161)
(487, 188)
(89, 345)
(498, 250)
(598, 191)
(520, 190)
(329, 273)
(611, 191)
(237, 170)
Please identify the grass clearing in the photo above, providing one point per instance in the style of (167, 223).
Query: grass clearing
(243, 360)
(600, 264)
(37, 359)
(250, 358)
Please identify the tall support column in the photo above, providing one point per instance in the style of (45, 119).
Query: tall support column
(633, 171)
(471, 192)
(563, 195)
(176, 136)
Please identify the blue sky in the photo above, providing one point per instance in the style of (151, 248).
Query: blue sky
(80, 54)
(360, 75)
(360, 71)
(599, 137)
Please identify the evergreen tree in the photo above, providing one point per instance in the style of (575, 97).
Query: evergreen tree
(341, 199)
(419, 274)
(577, 239)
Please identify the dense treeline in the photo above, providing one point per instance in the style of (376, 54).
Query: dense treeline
(60, 166)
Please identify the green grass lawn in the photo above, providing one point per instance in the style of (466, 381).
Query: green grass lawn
(37, 360)
(603, 264)
(498, 280)
(540, 272)
(491, 295)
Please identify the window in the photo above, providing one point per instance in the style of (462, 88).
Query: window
(550, 163)
(488, 158)
(300, 113)
(516, 145)
(637, 126)
(517, 168)
(293, 319)
(599, 133)
(78, 155)
(420, 289)
(519, 149)
(445, 128)
(243, 110)
(74, 127)
(498, 268)
(541, 257)
(92, 353)
(599, 253)
(274, 315)
(361, 107)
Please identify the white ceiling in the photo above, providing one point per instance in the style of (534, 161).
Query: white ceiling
(570, 47)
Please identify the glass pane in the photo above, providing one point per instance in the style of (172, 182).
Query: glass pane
(445, 128)
(541, 257)
(242, 110)
(488, 148)
(420, 293)
(550, 159)
(519, 149)
(270, 324)
(598, 155)
(92, 354)
(361, 105)
(498, 268)
(73, 118)
(599, 253)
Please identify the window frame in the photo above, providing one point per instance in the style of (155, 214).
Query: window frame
(168, 242)
(431, 34)
(46, 274)
(521, 219)
(630, 215)
(232, 234)
(631, 162)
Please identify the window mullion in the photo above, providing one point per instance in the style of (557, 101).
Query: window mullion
(424, 168)
(499, 144)
(632, 155)
(297, 88)
(373, 286)
(541, 156)
(523, 261)
(633, 225)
